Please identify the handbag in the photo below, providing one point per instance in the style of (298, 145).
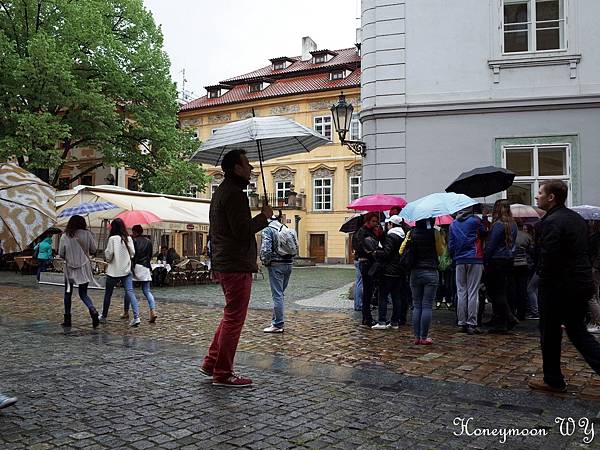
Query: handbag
(407, 254)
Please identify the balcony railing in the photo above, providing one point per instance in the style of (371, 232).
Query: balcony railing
(297, 201)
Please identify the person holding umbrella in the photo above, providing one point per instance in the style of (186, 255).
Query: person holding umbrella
(498, 260)
(234, 254)
(365, 242)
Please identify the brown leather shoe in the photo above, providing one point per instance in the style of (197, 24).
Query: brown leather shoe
(538, 384)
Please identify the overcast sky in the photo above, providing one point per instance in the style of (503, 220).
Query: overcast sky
(215, 40)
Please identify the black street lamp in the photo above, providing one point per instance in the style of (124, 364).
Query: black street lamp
(342, 117)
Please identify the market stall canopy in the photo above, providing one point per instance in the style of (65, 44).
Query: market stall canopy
(172, 209)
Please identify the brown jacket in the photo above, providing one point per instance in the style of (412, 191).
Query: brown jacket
(232, 228)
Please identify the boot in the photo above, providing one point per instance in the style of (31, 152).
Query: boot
(67, 321)
(153, 316)
(95, 319)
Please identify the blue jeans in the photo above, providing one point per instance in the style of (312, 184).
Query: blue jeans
(147, 294)
(358, 288)
(111, 282)
(83, 295)
(423, 284)
(279, 275)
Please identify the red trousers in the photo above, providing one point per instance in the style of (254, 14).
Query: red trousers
(236, 288)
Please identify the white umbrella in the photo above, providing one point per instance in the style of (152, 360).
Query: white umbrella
(262, 138)
(26, 207)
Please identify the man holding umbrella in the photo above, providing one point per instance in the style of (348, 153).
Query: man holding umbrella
(234, 253)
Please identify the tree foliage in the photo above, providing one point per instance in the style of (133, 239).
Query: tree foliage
(91, 73)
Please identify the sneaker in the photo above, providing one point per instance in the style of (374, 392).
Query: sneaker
(427, 341)
(395, 326)
(135, 322)
(233, 381)
(541, 385)
(463, 328)
(208, 375)
(593, 329)
(102, 319)
(381, 326)
(368, 324)
(417, 341)
(474, 330)
(273, 329)
(124, 316)
(6, 401)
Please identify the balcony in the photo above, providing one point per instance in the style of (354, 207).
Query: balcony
(297, 201)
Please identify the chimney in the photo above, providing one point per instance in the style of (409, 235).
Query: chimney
(308, 45)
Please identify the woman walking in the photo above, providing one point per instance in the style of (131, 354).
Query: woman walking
(498, 260)
(75, 247)
(426, 245)
(118, 253)
(142, 270)
(43, 252)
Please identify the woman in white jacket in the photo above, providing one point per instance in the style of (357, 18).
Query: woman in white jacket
(118, 253)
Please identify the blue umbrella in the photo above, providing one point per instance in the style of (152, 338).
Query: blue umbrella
(86, 208)
(434, 205)
(588, 212)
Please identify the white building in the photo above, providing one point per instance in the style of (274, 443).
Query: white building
(452, 85)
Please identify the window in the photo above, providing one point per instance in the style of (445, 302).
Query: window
(192, 191)
(320, 59)
(279, 65)
(213, 131)
(322, 194)
(534, 164)
(355, 128)
(132, 183)
(250, 188)
(283, 189)
(354, 184)
(213, 188)
(254, 87)
(338, 75)
(534, 25)
(322, 124)
(63, 183)
(87, 180)
(214, 94)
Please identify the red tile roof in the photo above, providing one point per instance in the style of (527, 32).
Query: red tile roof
(300, 77)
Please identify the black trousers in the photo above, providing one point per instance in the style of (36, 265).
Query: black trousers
(395, 287)
(498, 282)
(518, 293)
(368, 287)
(565, 306)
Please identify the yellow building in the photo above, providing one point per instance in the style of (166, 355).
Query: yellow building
(312, 189)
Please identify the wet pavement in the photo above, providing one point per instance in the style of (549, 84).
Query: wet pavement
(324, 383)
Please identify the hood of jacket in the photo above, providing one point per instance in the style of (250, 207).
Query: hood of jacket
(398, 231)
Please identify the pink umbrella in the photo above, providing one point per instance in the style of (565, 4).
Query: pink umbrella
(138, 217)
(439, 220)
(377, 202)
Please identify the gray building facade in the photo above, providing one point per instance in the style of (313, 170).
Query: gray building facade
(449, 86)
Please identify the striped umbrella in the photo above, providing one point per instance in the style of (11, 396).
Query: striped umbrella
(86, 208)
(26, 207)
(262, 138)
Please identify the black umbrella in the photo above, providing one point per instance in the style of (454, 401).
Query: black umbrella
(482, 181)
(352, 224)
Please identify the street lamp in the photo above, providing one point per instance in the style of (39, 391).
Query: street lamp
(342, 117)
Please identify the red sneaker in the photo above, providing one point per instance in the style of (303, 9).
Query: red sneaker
(206, 373)
(233, 381)
(426, 341)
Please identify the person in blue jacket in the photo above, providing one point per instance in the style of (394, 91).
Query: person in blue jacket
(498, 259)
(465, 246)
(43, 252)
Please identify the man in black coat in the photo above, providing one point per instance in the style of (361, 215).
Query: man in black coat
(234, 254)
(565, 285)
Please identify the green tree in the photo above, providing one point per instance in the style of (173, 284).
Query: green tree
(91, 73)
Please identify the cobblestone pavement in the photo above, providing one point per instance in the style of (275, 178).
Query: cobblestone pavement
(325, 382)
(95, 390)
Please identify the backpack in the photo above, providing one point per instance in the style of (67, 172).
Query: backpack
(286, 240)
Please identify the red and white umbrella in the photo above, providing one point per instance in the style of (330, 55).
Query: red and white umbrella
(526, 211)
(138, 217)
(377, 202)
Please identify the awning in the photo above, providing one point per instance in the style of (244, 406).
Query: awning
(176, 212)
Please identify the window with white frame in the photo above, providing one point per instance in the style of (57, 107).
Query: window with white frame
(320, 59)
(533, 164)
(354, 187)
(355, 128)
(283, 189)
(213, 188)
(322, 191)
(338, 75)
(250, 188)
(534, 25)
(322, 124)
(192, 191)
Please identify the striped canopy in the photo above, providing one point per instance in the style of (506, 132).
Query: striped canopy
(26, 207)
(278, 136)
